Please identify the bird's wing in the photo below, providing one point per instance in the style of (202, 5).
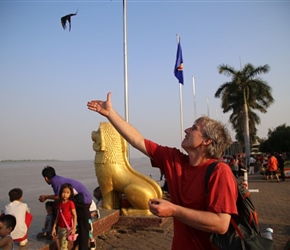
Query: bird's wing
(73, 14)
(67, 18)
(63, 22)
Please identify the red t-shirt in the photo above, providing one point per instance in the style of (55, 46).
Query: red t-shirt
(66, 210)
(187, 188)
(272, 163)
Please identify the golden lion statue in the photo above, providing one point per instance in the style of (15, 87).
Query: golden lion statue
(117, 177)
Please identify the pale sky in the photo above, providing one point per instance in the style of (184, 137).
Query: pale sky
(47, 74)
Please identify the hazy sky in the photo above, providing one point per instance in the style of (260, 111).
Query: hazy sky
(47, 75)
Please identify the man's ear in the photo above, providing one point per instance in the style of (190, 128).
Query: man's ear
(206, 142)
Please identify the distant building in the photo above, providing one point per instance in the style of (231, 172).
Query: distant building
(255, 148)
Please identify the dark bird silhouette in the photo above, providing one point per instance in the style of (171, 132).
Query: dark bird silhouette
(67, 18)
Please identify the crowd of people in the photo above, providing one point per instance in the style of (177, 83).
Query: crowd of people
(270, 165)
(69, 214)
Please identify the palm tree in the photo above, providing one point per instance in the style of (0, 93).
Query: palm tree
(242, 95)
(236, 119)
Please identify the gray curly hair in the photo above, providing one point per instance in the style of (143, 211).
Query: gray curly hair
(218, 133)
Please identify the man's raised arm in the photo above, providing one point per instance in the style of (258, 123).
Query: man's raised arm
(130, 134)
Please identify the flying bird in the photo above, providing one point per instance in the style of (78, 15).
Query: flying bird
(67, 18)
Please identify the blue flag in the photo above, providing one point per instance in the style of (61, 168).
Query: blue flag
(178, 69)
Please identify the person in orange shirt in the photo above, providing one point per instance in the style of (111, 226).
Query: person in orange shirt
(272, 167)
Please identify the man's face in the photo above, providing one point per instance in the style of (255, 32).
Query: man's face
(193, 137)
(47, 180)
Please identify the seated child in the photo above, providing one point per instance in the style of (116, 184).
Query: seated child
(98, 196)
(7, 225)
(46, 231)
(95, 213)
(21, 212)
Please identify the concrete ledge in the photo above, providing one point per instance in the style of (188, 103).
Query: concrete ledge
(107, 220)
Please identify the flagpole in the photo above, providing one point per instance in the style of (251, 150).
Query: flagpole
(180, 98)
(193, 89)
(181, 111)
(125, 48)
(125, 59)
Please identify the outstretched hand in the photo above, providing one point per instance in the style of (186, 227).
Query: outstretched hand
(102, 107)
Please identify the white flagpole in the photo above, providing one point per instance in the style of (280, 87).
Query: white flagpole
(193, 89)
(125, 48)
(180, 99)
(125, 59)
(181, 112)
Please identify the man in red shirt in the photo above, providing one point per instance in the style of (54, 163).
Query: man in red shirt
(195, 214)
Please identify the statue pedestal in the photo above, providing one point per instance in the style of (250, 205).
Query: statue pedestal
(112, 219)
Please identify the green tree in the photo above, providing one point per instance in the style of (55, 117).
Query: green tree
(242, 95)
(235, 119)
(278, 140)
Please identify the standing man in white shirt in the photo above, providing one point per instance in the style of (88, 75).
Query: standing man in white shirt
(252, 162)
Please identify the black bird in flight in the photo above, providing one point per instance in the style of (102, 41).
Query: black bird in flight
(67, 18)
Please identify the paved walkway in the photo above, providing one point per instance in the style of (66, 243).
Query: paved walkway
(273, 206)
(272, 203)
